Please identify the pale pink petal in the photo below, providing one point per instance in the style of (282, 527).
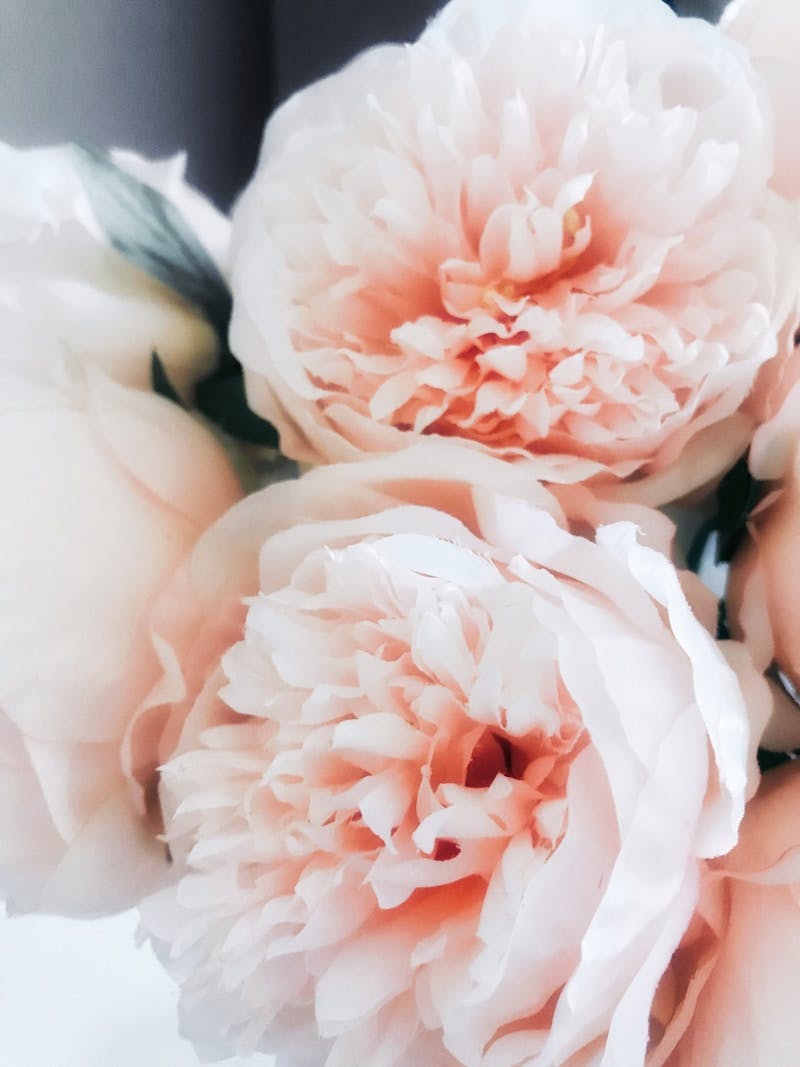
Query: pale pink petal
(744, 1015)
(108, 491)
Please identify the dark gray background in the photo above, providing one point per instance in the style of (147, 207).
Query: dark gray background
(158, 75)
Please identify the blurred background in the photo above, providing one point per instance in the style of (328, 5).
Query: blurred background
(195, 74)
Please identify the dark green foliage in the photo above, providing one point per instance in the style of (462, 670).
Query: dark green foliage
(149, 231)
(695, 553)
(737, 495)
(159, 379)
(222, 400)
(767, 760)
(723, 632)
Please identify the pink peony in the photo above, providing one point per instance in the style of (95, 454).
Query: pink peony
(770, 31)
(739, 965)
(104, 490)
(543, 229)
(443, 796)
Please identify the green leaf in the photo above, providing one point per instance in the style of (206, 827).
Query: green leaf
(723, 630)
(768, 760)
(159, 378)
(737, 495)
(695, 554)
(149, 231)
(223, 401)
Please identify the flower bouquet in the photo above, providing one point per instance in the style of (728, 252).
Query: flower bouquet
(397, 601)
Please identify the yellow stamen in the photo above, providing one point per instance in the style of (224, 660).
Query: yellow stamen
(572, 222)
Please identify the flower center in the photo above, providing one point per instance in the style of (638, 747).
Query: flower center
(494, 754)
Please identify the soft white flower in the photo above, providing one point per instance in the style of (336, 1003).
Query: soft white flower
(64, 287)
(104, 491)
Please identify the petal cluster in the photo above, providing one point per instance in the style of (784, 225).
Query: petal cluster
(546, 238)
(419, 813)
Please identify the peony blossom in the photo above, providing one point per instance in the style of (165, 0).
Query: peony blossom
(62, 283)
(104, 490)
(446, 785)
(740, 962)
(544, 229)
(770, 31)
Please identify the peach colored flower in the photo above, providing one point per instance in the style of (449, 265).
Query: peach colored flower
(544, 229)
(729, 995)
(443, 795)
(104, 490)
(62, 283)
